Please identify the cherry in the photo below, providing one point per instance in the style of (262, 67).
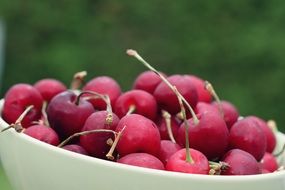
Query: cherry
(269, 163)
(230, 112)
(136, 101)
(240, 163)
(245, 134)
(168, 126)
(140, 135)
(67, 113)
(270, 137)
(203, 94)
(167, 149)
(43, 133)
(147, 81)
(199, 165)
(209, 136)
(167, 99)
(17, 99)
(49, 88)
(202, 107)
(142, 160)
(75, 148)
(103, 85)
(96, 144)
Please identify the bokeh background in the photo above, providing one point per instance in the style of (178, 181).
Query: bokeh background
(237, 45)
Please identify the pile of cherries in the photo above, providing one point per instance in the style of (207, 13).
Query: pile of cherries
(175, 123)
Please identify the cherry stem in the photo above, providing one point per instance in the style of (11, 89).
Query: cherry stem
(17, 125)
(189, 158)
(85, 133)
(217, 168)
(44, 113)
(134, 53)
(78, 80)
(105, 98)
(131, 110)
(212, 91)
(272, 125)
(109, 155)
(167, 118)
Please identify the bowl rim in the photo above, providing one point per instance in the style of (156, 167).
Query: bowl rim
(147, 171)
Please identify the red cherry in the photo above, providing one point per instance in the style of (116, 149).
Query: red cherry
(209, 136)
(167, 99)
(202, 107)
(49, 88)
(142, 160)
(140, 135)
(167, 149)
(103, 85)
(147, 81)
(269, 162)
(162, 127)
(203, 94)
(177, 162)
(96, 143)
(75, 148)
(67, 113)
(240, 163)
(43, 133)
(270, 137)
(17, 99)
(246, 135)
(141, 101)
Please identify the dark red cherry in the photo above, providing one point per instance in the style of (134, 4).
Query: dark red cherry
(203, 94)
(147, 81)
(75, 148)
(167, 149)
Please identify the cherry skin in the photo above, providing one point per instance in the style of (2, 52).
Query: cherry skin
(230, 112)
(240, 163)
(210, 136)
(67, 115)
(203, 94)
(167, 149)
(269, 162)
(49, 88)
(142, 160)
(43, 133)
(147, 81)
(143, 102)
(103, 85)
(17, 99)
(167, 99)
(202, 107)
(246, 135)
(162, 127)
(75, 148)
(270, 137)
(96, 143)
(178, 163)
(140, 135)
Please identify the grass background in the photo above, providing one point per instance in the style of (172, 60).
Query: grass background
(237, 45)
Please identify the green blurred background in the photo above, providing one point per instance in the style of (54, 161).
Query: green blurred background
(237, 45)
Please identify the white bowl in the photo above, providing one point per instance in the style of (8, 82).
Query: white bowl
(34, 165)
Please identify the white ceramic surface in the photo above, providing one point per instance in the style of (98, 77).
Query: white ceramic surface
(33, 165)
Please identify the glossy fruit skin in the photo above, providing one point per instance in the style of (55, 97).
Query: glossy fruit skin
(248, 136)
(177, 162)
(43, 133)
(202, 107)
(145, 104)
(147, 81)
(75, 148)
(17, 99)
(203, 94)
(269, 162)
(96, 144)
(103, 85)
(240, 163)
(167, 149)
(210, 136)
(142, 160)
(166, 98)
(270, 136)
(65, 117)
(161, 124)
(49, 88)
(230, 112)
(140, 135)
